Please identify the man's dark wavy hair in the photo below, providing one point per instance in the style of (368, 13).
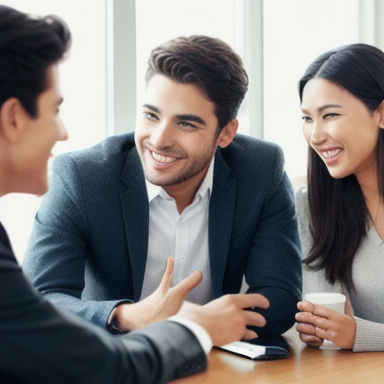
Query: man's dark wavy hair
(208, 63)
(29, 45)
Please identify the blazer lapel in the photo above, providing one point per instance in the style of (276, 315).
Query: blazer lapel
(221, 213)
(135, 208)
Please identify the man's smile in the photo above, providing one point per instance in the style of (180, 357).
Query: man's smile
(162, 158)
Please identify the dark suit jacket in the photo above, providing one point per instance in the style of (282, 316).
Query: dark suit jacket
(88, 248)
(43, 345)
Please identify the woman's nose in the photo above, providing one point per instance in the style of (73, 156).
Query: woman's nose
(318, 133)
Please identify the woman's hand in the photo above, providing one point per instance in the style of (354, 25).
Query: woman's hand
(316, 323)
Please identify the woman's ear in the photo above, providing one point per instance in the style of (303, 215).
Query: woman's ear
(227, 134)
(381, 113)
(12, 119)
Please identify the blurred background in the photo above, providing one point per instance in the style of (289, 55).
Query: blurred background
(103, 78)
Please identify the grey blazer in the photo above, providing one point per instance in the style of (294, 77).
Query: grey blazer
(88, 247)
(42, 344)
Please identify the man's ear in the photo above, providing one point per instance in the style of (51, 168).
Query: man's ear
(227, 134)
(12, 119)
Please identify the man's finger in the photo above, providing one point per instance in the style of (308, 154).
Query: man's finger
(254, 318)
(249, 335)
(251, 300)
(188, 283)
(166, 280)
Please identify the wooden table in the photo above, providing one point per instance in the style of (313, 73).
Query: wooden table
(304, 365)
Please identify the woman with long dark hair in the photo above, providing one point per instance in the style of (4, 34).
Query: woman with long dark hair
(341, 210)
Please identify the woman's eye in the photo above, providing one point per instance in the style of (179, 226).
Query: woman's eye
(306, 119)
(330, 115)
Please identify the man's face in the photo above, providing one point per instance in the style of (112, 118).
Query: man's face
(40, 135)
(176, 135)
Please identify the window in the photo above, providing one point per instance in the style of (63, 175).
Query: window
(295, 33)
(112, 39)
(83, 84)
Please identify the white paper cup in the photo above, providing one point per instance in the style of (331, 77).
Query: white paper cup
(335, 301)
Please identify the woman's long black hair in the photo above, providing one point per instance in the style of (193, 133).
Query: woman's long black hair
(338, 211)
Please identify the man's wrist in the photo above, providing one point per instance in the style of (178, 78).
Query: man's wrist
(112, 326)
(112, 323)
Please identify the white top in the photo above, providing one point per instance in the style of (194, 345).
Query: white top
(184, 237)
(368, 275)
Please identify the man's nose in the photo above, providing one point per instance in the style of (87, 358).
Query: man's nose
(63, 132)
(162, 135)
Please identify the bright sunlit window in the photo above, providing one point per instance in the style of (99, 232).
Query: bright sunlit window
(295, 33)
(83, 85)
(276, 38)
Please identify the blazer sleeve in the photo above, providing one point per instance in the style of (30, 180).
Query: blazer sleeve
(42, 344)
(274, 263)
(57, 252)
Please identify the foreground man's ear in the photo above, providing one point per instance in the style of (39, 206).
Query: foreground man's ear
(13, 118)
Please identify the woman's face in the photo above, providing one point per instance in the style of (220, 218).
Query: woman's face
(340, 128)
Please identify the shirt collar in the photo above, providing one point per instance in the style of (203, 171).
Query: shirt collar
(205, 187)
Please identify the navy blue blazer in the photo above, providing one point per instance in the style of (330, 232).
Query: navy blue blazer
(42, 344)
(88, 247)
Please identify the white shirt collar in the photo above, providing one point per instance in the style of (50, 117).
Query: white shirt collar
(205, 187)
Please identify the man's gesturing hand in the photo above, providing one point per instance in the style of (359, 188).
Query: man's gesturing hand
(163, 303)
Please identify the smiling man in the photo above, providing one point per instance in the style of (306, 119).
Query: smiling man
(185, 185)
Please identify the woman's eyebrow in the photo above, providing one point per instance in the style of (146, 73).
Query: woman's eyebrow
(323, 108)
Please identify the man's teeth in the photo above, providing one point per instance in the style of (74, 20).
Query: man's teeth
(332, 153)
(162, 159)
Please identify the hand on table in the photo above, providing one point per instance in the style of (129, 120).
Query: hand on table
(161, 304)
(316, 323)
(226, 318)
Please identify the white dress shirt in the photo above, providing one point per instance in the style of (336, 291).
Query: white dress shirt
(182, 236)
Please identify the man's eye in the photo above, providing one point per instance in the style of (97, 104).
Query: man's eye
(149, 115)
(185, 124)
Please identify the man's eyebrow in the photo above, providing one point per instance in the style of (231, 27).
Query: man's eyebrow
(151, 107)
(188, 117)
(194, 118)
